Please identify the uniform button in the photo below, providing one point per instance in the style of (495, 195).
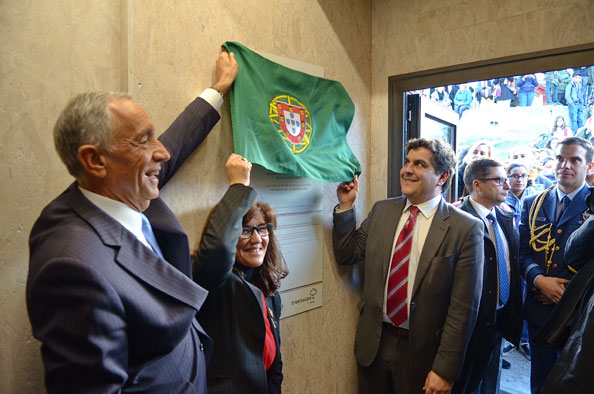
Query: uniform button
(490, 292)
(559, 231)
(556, 248)
(201, 347)
(490, 258)
(580, 222)
(554, 265)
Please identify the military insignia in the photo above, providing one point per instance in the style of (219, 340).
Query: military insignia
(293, 120)
(586, 215)
(272, 317)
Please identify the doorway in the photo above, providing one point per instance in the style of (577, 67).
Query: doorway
(413, 114)
(401, 129)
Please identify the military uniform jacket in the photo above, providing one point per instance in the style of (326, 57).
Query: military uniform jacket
(533, 263)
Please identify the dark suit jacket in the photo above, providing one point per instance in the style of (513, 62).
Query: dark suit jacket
(446, 292)
(533, 263)
(110, 314)
(573, 370)
(233, 314)
(580, 245)
(508, 320)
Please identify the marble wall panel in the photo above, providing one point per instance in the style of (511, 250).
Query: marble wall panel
(49, 51)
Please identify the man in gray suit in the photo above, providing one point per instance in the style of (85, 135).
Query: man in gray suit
(110, 292)
(415, 324)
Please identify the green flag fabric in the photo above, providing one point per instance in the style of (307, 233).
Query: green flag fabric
(291, 122)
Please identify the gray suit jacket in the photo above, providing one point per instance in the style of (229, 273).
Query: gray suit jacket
(111, 315)
(446, 292)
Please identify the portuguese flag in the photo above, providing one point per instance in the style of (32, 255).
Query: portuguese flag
(291, 122)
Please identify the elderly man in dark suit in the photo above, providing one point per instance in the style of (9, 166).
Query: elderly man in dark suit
(109, 292)
(548, 220)
(500, 311)
(423, 267)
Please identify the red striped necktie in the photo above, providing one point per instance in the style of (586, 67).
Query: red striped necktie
(398, 282)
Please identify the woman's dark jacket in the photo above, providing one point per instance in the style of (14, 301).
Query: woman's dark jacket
(233, 314)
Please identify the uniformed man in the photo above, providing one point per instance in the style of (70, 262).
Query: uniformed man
(548, 219)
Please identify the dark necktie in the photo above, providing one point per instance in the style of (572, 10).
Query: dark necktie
(147, 230)
(398, 281)
(502, 265)
(565, 201)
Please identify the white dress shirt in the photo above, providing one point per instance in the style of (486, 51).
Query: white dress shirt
(212, 97)
(122, 213)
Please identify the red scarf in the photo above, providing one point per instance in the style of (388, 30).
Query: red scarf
(269, 342)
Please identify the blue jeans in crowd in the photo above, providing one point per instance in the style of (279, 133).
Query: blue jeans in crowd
(525, 99)
(460, 110)
(551, 92)
(576, 114)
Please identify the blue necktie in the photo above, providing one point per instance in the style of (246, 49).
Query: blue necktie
(147, 230)
(503, 275)
(566, 201)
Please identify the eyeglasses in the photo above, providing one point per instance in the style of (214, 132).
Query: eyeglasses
(263, 230)
(515, 177)
(519, 156)
(499, 181)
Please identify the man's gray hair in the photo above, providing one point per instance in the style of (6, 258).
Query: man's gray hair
(85, 120)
